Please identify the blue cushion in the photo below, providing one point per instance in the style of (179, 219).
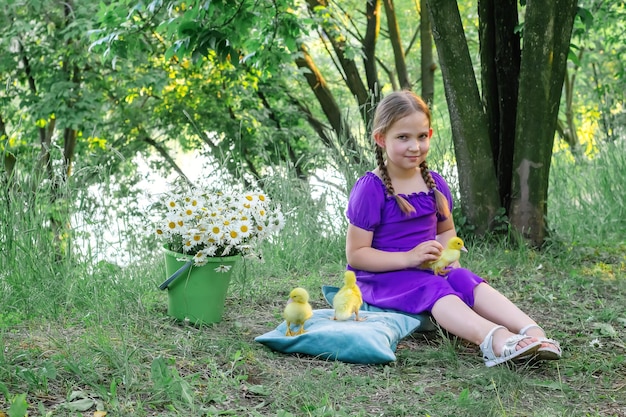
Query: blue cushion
(371, 341)
(426, 324)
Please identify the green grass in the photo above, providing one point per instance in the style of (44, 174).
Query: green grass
(78, 336)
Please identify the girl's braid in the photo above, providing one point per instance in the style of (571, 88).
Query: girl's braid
(405, 206)
(442, 202)
(428, 178)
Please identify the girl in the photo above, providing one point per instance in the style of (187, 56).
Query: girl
(400, 218)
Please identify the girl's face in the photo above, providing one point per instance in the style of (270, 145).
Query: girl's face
(407, 141)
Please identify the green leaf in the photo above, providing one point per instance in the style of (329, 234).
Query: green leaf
(160, 373)
(77, 394)
(4, 390)
(259, 389)
(49, 370)
(585, 16)
(83, 404)
(19, 406)
(188, 28)
(605, 329)
(572, 56)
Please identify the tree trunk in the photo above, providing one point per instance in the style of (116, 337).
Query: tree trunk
(569, 132)
(369, 51)
(500, 63)
(349, 67)
(477, 179)
(547, 32)
(328, 103)
(428, 65)
(396, 44)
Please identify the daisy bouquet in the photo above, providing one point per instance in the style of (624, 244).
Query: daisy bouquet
(215, 223)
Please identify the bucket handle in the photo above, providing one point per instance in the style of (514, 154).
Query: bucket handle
(175, 275)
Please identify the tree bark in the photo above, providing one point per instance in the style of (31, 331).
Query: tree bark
(396, 44)
(477, 180)
(547, 33)
(500, 63)
(372, 30)
(428, 65)
(327, 101)
(569, 133)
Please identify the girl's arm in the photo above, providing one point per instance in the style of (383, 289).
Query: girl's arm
(445, 231)
(361, 255)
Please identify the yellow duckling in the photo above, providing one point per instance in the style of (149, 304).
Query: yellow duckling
(297, 311)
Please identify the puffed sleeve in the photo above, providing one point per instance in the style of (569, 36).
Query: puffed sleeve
(442, 186)
(366, 201)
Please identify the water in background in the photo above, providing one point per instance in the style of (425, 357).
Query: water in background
(111, 232)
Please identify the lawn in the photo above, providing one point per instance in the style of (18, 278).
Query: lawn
(119, 352)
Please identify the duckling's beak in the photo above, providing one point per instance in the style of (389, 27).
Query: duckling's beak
(464, 249)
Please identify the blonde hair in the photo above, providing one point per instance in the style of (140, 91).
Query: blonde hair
(393, 107)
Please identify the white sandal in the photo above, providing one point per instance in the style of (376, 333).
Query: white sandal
(544, 353)
(508, 350)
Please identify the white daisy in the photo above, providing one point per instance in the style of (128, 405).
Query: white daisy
(223, 268)
(210, 250)
(200, 258)
(187, 245)
(171, 222)
(595, 343)
(188, 211)
(245, 229)
(277, 221)
(171, 203)
(233, 233)
(195, 237)
(215, 231)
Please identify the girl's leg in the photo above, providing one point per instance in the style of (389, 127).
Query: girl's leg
(452, 314)
(495, 307)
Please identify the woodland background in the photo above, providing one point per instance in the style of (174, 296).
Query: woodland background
(289, 85)
(104, 104)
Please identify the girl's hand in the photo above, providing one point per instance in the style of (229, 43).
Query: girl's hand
(425, 252)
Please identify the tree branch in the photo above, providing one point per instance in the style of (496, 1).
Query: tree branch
(163, 152)
(396, 43)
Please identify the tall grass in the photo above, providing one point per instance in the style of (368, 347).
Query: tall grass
(33, 265)
(587, 197)
(48, 272)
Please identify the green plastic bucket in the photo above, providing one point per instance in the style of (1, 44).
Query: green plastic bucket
(199, 292)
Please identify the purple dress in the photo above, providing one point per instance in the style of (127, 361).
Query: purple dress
(411, 290)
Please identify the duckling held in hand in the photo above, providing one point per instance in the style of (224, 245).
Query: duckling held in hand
(348, 299)
(450, 254)
(297, 311)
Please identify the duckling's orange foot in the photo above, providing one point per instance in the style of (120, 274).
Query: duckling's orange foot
(357, 318)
